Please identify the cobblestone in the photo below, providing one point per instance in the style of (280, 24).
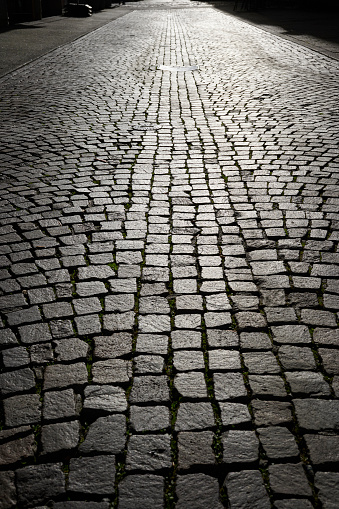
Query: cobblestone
(168, 268)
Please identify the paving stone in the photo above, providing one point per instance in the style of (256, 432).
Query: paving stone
(151, 364)
(25, 409)
(191, 385)
(262, 385)
(317, 414)
(246, 489)
(87, 288)
(116, 345)
(222, 338)
(142, 491)
(255, 341)
(106, 434)
(152, 343)
(111, 371)
(325, 336)
(154, 323)
(17, 450)
(291, 503)
(249, 320)
(148, 452)
(194, 416)
(229, 386)
(93, 475)
(7, 337)
(28, 315)
(119, 302)
(104, 398)
(182, 339)
(153, 304)
(15, 357)
(20, 380)
(240, 446)
(323, 448)
(261, 362)
(38, 483)
(41, 353)
(70, 349)
(149, 418)
(289, 479)
(188, 360)
(291, 334)
(234, 413)
(224, 360)
(80, 505)
(330, 360)
(272, 413)
(278, 442)
(149, 388)
(8, 490)
(197, 490)
(318, 317)
(195, 448)
(65, 375)
(36, 333)
(59, 404)
(307, 382)
(328, 485)
(59, 436)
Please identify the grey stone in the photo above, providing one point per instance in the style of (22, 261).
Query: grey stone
(250, 319)
(328, 485)
(38, 483)
(37, 333)
(59, 404)
(183, 339)
(88, 324)
(153, 304)
(106, 434)
(189, 303)
(41, 353)
(291, 334)
(330, 360)
(198, 491)
(7, 337)
(323, 448)
(149, 418)
(278, 442)
(229, 386)
(224, 360)
(195, 448)
(105, 398)
(150, 388)
(324, 336)
(19, 380)
(119, 303)
(261, 362)
(188, 321)
(255, 341)
(317, 414)
(15, 357)
(111, 371)
(93, 475)
(17, 450)
(245, 489)
(194, 416)
(149, 452)
(65, 375)
(262, 385)
(152, 343)
(296, 358)
(59, 436)
(273, 413)
(25, 409)
(293, 503)
(191, 385)
(116, 345)
(22, 316)
(307, 382)
(222, 338)
(148, 364)
(142, 492)
(70, 349)
(188, 360)
(8, 490)
(289, 479)
(234, 413)
(80, 505)
(240, 446)
(154, 323)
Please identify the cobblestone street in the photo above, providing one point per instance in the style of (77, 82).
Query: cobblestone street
(169, 269)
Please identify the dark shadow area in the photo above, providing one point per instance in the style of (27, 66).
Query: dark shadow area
(291, 18)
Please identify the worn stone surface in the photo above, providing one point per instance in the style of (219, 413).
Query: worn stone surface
(169, 264)
(246, 489)
(197, 490)
(148, 452)
(328, 486)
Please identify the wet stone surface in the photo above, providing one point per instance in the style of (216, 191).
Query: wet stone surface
(169, 269)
